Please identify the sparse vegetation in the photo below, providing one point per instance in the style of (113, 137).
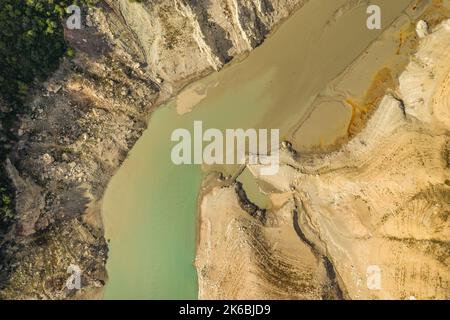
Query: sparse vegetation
(31, 46)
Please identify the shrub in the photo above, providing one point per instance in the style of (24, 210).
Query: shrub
(6, 210)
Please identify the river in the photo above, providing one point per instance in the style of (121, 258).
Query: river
(150, 206)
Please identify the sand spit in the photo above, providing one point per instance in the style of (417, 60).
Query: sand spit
(257, 255)
(382, 199)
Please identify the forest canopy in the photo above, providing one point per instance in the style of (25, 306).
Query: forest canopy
(31, 43)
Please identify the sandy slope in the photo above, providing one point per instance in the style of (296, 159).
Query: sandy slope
(382, 200)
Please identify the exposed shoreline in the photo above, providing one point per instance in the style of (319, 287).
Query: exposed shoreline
(341, 192)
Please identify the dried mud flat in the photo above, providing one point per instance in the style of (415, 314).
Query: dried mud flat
(382, 199)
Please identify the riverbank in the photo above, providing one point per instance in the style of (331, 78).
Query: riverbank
(83, 121)
(149, 202)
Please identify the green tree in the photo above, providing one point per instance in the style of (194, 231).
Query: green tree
(31, 43)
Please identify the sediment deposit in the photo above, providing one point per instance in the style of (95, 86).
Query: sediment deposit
(382, 199)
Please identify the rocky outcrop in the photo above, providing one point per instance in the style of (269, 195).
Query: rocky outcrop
(179, 41)
(82, 122)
